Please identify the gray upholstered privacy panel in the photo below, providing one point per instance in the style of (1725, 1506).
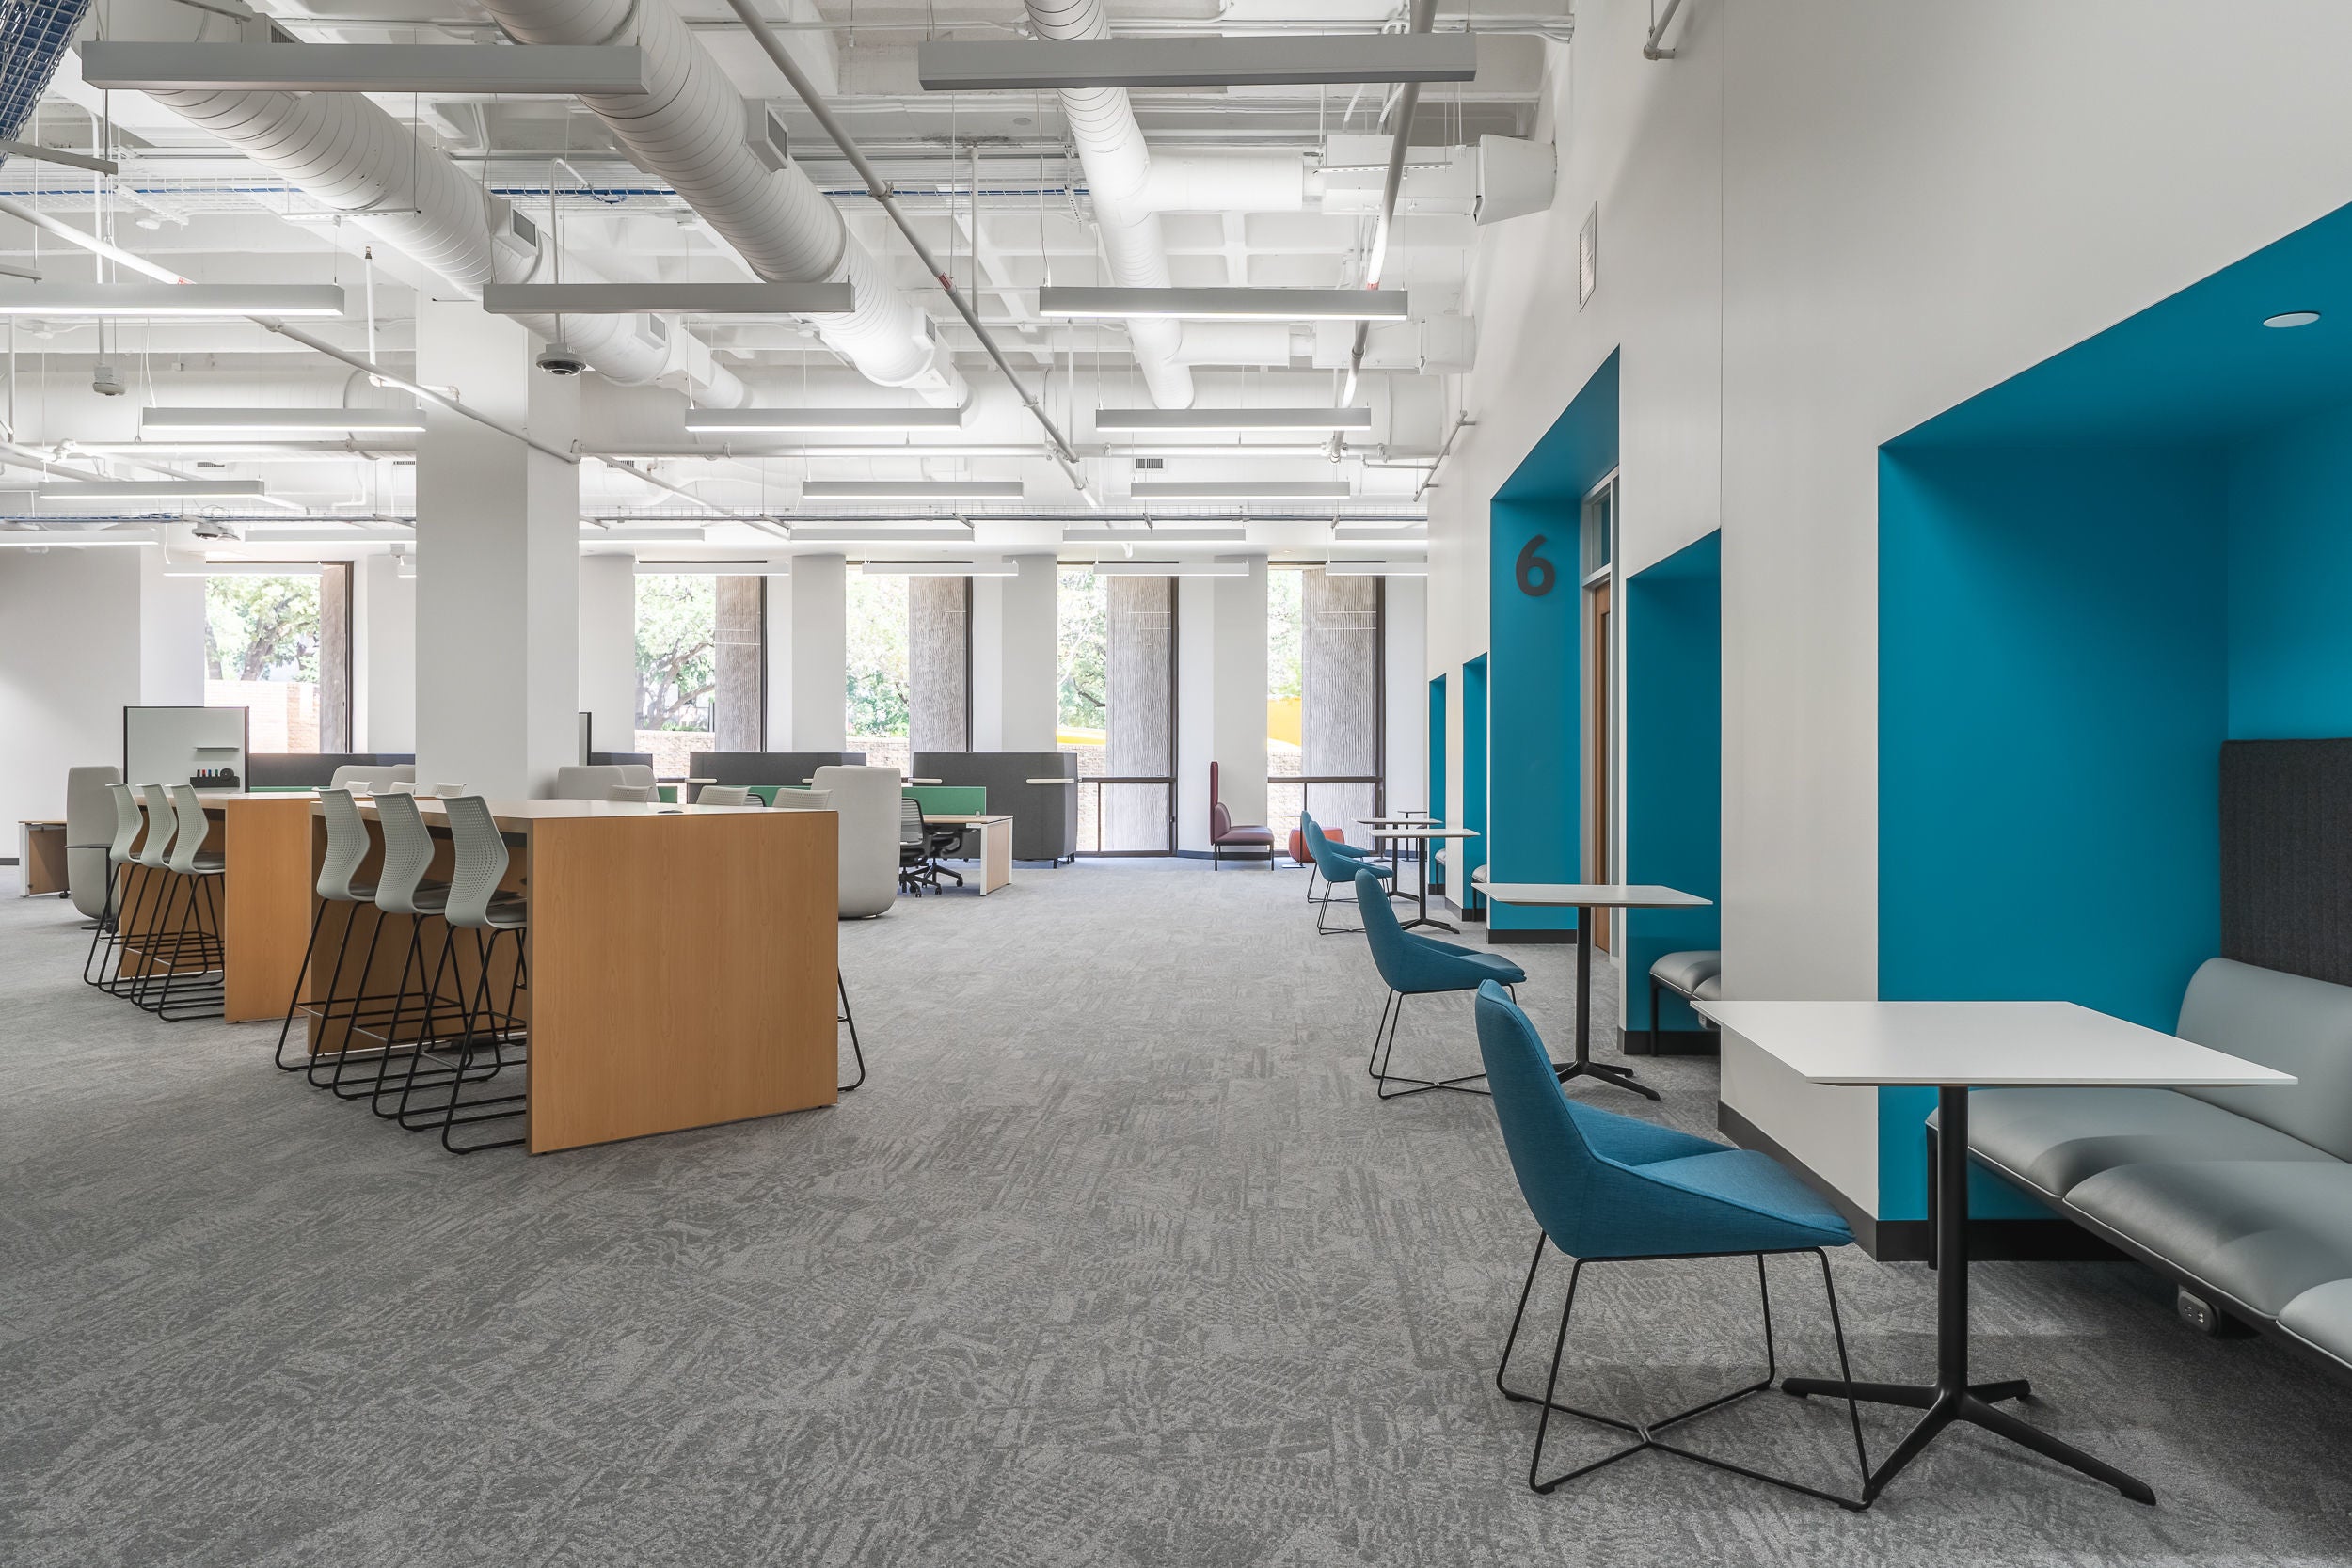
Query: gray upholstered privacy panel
(2286, 856)
(767, 767)
(1044, 816)
(312, 770)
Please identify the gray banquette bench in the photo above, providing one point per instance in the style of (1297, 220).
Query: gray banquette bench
(2242, 1196)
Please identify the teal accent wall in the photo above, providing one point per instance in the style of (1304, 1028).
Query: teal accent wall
(1535, 645)
(2053, 694)
(1468, 855)
(2289, 580)
(1673, 763)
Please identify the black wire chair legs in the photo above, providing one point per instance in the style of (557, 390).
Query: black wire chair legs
(1647, 1432)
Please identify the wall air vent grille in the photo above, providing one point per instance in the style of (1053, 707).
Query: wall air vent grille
(1151, 465)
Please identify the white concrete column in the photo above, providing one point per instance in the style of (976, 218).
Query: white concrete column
(1405, 656)
(1196, 708)
(780, 662)
(1022, 693)
(497, 562)
(608, 650)
(819, 719)
(1238, 691)
(384, 654)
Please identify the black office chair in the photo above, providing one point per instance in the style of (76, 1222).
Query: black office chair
(914, 849)
(943, 841)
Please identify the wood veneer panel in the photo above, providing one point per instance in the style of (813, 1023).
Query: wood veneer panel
(266, 901)
(681, 972)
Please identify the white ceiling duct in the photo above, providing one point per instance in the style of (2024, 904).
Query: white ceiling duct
(1118, 178)
(688, 129)
(342, 150)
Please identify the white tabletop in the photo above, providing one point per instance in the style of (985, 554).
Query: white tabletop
(1421, 821)
(1064, 780)
(1424, 832)
(1590, 896)
(1976, 1044)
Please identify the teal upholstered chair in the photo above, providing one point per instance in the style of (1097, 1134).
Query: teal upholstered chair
(1339, 865)
(1418, 966)
(1610, 1188)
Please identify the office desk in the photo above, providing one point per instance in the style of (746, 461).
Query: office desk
(995, 844)
(681, 961)
(41, 856)
(266, 843)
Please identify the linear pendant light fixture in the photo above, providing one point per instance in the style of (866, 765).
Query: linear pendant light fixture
(547, 68)
(245, 569)
(1375, 568)
(815, 534)
(78, 491)
(1241, 490)
(733, 422)
(1160, 422)
(668, 299)
(1068, 302)
(1222, 567)
(949, 65)
(1155, 536)
(713, 568)
(170, 299)
(997, 567)
(910, 490)
(282, 421)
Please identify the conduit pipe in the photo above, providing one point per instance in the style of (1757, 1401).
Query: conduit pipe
(688, 128)
(1408, 100)
(340, 149)
(1119, 176)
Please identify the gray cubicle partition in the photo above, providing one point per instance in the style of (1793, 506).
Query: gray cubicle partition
(1044, 816)
(767, 768)
(312, 770)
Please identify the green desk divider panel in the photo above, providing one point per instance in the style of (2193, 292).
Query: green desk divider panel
(949, 800)
(667, 794)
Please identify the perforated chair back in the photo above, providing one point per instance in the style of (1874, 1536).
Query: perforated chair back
(912, 832)
(800, 799)
(346, 846)
(407, 855)
(445, 791)
(128, 821)
(632, 794)
(187, 848)
(725, 795)
(480, 857)
(161, 825)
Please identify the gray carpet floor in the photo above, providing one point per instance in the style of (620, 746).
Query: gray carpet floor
(1115, 1260)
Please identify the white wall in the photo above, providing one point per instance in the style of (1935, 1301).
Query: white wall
(1822, 222)
(384, 655)
(1220, 700)
(70, 662)
(1404, 653)
(608, 649)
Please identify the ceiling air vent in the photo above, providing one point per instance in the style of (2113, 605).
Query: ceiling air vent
(764, 133)
(1151, 465)
(1588, 257)
(512, 230)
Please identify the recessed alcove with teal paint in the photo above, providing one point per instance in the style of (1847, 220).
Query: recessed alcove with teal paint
(1674, 768)
(1535, 618)
(2091, 576)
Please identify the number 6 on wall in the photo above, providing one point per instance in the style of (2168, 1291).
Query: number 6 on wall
(1537, 576)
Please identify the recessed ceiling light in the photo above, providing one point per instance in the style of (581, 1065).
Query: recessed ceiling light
(2291, 318)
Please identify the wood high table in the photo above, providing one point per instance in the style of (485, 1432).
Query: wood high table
(681, 961)
(1584, 897)
(1951, 1047)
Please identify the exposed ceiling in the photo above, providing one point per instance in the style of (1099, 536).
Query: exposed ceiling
(990, 181)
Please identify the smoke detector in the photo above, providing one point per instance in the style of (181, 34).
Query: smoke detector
(104, 382)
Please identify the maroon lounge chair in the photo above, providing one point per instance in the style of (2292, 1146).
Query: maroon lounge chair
(1223, 835)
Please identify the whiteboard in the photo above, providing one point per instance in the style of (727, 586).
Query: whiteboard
(171, 745)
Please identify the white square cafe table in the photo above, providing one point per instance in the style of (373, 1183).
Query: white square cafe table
(1953, 1046)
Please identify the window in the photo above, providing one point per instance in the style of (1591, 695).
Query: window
(701, 666)
(279, 647)
(878, 685)
(1117, 713)
(1324, 734)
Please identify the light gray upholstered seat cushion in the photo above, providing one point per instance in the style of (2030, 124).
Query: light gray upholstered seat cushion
(2286, 1022)
(2054, 1138)
(1682, 971)
(2263, 1232)
(1708, 989)
(2322, 1317)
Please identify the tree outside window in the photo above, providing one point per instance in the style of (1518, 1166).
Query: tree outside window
(262, 641)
